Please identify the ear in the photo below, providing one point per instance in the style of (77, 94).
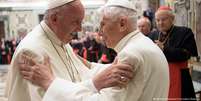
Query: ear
(123, 23)
(54, 18)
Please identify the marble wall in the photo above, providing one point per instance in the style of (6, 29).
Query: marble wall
(22, 22)
(140, 5)
(198, 23)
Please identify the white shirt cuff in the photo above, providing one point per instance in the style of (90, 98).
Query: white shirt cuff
(90, 85)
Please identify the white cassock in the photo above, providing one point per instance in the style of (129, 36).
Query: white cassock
(41, 40)
(150, 82)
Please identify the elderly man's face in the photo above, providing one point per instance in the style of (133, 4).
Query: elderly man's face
(164, 20)
(109, 31)
(71, 21)
(144, 27)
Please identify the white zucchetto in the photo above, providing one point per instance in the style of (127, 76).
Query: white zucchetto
(56, 3)
(122, 3)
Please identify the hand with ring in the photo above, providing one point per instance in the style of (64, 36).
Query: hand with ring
(123, 79)
(116, 75)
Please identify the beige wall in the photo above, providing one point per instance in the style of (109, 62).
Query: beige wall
(198, 23)
(21, 22)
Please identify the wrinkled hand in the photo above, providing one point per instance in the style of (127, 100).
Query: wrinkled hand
(160, 44)
(37, 73)
(115, 75)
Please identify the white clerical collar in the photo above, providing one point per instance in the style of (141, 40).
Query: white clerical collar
(50, 34)
(122, 43)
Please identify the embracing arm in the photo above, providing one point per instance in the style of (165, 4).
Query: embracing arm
(19, 89)
(83, 91)
(63, 90)
(87, 90)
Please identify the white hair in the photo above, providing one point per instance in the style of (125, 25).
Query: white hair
(144, 19)
(116, 12)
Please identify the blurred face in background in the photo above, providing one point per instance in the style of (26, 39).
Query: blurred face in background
(144, 26)
(164, 20)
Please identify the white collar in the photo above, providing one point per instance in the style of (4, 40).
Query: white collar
(50, 34)
(121, 44)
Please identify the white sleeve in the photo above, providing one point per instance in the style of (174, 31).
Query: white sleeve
(63, 90)
(97, 68)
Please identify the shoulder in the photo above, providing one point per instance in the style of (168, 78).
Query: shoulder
(182, 29)
(154, 32)
(33, 42)
(153, 35)
(132, 58)
(183, 32)
(132, 51)
(34, 39)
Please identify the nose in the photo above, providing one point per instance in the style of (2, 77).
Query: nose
(160, 21)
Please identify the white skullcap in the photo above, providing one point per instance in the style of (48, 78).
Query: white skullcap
(56, 3)
(120, 3)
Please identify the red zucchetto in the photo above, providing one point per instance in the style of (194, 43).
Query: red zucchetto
(164, 8)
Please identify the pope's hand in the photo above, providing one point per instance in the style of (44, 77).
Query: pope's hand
(116, 75)
(38, 73)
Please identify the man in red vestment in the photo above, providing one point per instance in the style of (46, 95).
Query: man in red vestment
(178, 45)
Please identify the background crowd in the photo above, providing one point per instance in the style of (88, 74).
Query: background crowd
(7, 48)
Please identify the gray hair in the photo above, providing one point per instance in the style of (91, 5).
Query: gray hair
(144, 19)
(116, 12)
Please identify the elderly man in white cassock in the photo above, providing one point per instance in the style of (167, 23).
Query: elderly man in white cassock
(118, 29)
(49, 41)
